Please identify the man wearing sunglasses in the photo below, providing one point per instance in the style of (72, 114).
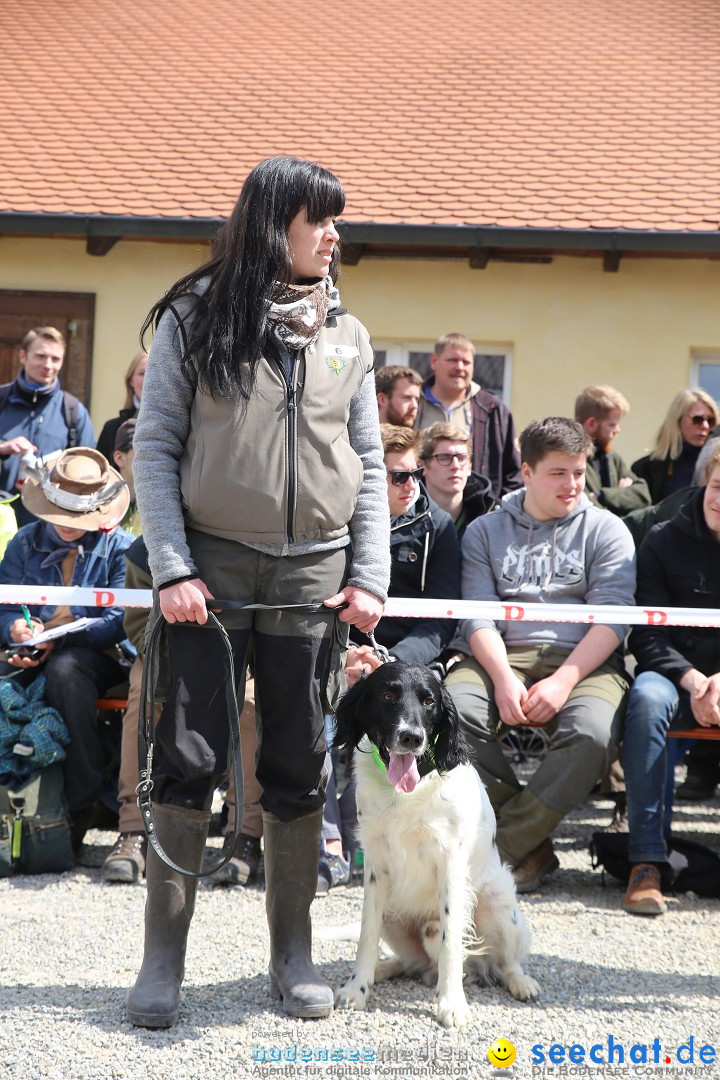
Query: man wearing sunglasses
(424, 556)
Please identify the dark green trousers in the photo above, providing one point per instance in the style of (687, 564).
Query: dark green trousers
(298, 667)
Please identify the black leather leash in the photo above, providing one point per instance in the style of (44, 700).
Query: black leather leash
(146, 726)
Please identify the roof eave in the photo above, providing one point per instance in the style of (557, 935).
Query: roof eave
(373, 234)
(530, 239)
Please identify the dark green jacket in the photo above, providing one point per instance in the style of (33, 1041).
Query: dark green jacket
(620, 500)
(640, 522)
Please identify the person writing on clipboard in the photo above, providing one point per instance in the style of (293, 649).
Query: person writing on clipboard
(79, 501)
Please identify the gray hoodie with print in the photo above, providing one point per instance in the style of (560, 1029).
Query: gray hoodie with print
(587, 557)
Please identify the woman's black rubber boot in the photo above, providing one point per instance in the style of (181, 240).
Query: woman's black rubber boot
(154, 1001)
(292, 850)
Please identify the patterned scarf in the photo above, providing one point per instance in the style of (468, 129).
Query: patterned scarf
(298, 312)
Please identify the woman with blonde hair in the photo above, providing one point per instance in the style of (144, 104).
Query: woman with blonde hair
(134, 378)
(671, 463)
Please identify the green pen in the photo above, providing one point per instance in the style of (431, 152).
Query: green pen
(26, 614)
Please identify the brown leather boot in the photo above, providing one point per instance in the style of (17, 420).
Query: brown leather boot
(538, 864)
(292, 850)
(126, 861)
(154, 1001)
(643, 895)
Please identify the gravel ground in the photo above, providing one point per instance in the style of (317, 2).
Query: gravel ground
(72, 946)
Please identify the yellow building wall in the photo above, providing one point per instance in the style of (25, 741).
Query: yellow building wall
(126, 282)
(567, 324)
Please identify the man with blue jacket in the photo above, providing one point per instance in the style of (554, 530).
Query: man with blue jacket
(36, 414)
(80, 502)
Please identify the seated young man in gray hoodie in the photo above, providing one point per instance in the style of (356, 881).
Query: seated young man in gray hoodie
(545, 543)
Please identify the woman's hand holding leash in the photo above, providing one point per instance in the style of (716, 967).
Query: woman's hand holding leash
(363, 609)
(185, 602)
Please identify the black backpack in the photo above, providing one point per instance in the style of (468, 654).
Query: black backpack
(70, 411)
(693, 867)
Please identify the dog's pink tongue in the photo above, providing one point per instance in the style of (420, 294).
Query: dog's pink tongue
(403, 772)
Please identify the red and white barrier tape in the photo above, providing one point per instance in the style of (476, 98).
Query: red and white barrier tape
(422, 608)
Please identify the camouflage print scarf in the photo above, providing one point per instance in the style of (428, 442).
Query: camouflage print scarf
(297, 312)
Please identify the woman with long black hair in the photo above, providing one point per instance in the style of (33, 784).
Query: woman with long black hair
(259, 478)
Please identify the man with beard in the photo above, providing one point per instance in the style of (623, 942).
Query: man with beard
(398, 394)
(609, 482)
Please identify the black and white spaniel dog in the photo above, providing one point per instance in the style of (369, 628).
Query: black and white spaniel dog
(435, 889)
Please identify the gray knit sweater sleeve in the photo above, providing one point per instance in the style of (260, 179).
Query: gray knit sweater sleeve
(370, 523)
(162, 429)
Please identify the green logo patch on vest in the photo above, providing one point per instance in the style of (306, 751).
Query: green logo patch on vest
(336, 363)
(337, 357)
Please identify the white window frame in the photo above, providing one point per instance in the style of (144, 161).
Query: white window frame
(397, 352)
(700, 357)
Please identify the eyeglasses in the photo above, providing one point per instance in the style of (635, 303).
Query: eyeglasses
(447, 459)
(698, 421)
(398, 477)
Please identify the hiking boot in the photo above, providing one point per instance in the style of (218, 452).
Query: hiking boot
(333, 871)
(643, 895)
(243, 866)
(126, 861)
(538, 864)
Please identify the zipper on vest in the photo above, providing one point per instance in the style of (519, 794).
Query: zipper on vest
(292, 440)
(291, 443)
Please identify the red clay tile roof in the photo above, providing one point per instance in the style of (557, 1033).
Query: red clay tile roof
(569, 114)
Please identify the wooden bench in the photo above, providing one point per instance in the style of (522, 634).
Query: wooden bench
(696, 733)
(112, 704)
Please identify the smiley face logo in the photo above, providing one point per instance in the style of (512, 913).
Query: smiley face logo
(501, 1053)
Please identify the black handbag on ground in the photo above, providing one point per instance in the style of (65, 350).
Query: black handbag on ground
(693, 867)
(35, 826)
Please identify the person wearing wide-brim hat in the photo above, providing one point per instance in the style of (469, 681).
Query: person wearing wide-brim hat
(79, 500)
(80, 490)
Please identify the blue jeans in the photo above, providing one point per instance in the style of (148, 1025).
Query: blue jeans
(339, 815)
(649, 760)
